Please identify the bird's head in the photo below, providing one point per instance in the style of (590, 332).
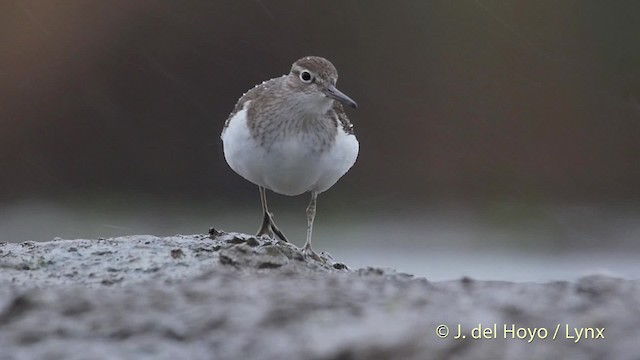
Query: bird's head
(314, 79)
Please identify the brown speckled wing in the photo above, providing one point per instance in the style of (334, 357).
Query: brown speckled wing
(251, 95)
(343, 121)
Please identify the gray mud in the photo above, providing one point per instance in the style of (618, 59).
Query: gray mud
(232, 296)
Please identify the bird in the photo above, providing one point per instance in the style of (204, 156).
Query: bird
(291, 135)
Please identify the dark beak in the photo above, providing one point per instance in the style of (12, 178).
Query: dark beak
(336, 94)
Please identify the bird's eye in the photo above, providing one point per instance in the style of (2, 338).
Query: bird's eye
(305, 76)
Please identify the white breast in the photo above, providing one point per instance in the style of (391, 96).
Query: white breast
(289, 166)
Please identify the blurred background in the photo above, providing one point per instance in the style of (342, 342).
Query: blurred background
(499, 139)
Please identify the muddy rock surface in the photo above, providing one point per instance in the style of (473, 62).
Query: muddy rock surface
(233, 296)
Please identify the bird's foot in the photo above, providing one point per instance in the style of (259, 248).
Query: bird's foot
(307, 251)
(269, 228)
(265, 233)
(278, 233)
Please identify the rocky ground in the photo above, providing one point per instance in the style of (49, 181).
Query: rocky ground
(232, 296)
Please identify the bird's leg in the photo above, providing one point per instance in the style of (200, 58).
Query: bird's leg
(311, 214)
(265, 228)
(268, 227)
